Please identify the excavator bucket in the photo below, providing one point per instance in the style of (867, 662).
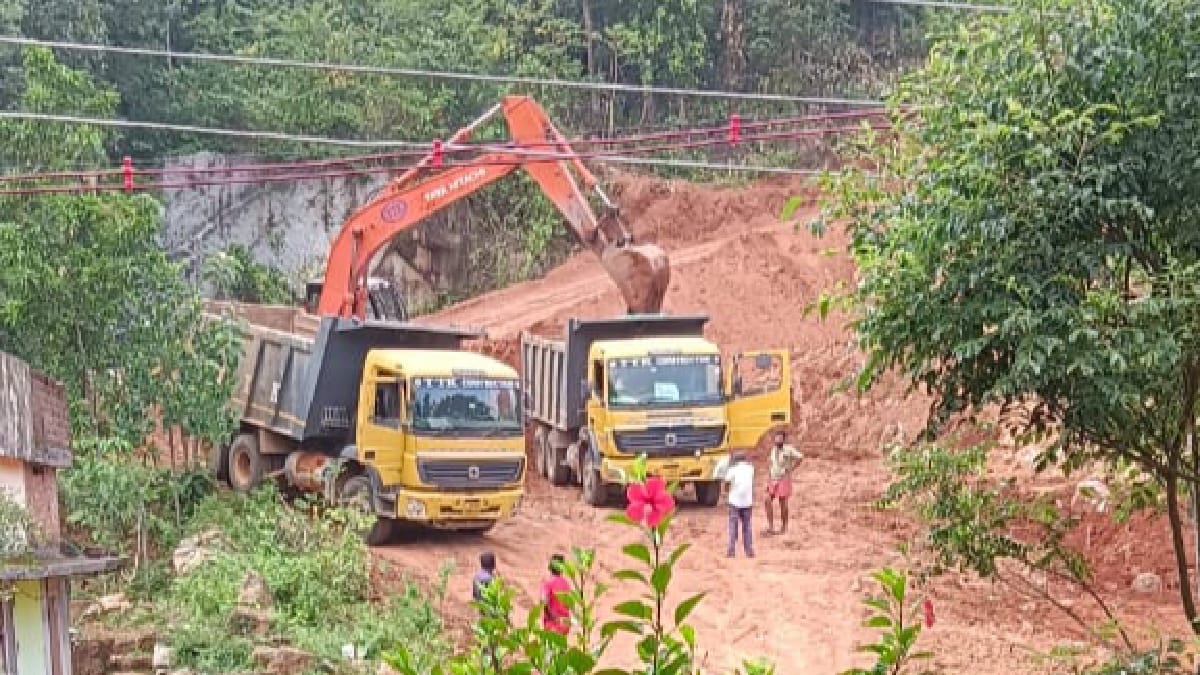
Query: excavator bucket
(642, 274)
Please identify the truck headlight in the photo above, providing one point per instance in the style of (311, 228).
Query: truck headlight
(415, 508)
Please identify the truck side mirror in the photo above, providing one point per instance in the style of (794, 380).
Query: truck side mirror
(737, 385)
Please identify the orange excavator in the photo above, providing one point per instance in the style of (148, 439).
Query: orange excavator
(640, 272)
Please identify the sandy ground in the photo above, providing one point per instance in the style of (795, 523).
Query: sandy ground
(799, 602)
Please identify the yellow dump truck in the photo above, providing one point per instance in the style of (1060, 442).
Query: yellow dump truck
(393, 417)
(615, 389)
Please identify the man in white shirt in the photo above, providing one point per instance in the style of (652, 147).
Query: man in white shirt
(740, 479)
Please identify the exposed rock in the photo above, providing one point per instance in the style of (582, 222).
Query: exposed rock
(162, 657)
(1147, 582)
(249, 621)
(134, 641)
(281, 660)
(90, 656)
(195, 551)
(254, 591)
(130, 662)
(1094, 492)
(108, 604)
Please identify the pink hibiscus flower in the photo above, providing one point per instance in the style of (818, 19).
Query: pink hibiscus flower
(649, 502)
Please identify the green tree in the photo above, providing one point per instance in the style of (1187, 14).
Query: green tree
(1029, 238)
(87, 295)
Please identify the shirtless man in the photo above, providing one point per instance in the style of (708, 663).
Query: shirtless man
(782, 463)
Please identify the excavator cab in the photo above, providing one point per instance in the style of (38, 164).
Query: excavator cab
(384, 300)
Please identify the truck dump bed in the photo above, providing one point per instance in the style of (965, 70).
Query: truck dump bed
(304, 384)
(554, 372)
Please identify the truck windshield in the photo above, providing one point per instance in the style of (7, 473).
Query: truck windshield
(665, 380)
(454, 404)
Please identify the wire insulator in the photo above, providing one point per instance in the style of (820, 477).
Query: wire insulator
(127, 172)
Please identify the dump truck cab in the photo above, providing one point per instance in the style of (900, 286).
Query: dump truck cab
(396, 418)
(443, 432)
(652, 385)
(662, 397)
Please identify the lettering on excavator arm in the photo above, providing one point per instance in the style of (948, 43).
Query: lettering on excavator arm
(641, 273)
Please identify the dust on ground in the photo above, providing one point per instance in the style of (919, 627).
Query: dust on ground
(799, 602)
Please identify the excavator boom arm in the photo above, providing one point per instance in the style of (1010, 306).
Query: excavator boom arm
(640, 272)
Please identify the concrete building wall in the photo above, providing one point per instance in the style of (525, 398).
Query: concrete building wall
(28, 617)
(12, 479)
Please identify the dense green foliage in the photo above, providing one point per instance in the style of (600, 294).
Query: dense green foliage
(811, 47)
(1029, 238)
(317, 573)
(87, 295)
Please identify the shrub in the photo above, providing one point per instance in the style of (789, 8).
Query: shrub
(317, 570)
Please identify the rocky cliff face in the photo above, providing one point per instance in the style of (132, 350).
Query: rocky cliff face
(290, 224)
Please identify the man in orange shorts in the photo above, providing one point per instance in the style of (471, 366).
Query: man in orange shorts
(782, 463)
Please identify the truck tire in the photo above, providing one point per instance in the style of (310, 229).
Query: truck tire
(708, 492)
(218, 462)
(540, 460)
(595, 492)
(558, 473)
(245, 463)
(356, 493)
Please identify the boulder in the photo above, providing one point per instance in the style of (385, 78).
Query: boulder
(249, 621)
(90, 656)
(281, 660)
(254, 591)
(162, 657)
(109, 604)
(194, 551)
(1147, 582)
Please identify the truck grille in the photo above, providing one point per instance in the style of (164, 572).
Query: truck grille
(469, 474)
(669, 442)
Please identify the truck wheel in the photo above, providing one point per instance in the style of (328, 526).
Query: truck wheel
(218, 462)
(558, 473)
(595, 492)
(540, 460)
(356, 493)
(245, 463)
(708, 492)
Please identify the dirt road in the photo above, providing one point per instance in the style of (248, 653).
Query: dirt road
(799, 602)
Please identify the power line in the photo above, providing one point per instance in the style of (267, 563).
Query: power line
(436, 74)
(79, 187)
(422, 148)
(944, 4)
(186, 128)
(526, 155)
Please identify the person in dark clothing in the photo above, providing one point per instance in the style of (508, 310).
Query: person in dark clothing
(485, 575)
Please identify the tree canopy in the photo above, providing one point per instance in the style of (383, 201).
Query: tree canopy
(87, 294)
(1028, 237)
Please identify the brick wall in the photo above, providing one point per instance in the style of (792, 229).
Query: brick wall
(35, 439)
(51, 423)
(41, 499)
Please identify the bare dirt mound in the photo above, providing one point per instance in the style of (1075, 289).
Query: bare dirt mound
(798, 602)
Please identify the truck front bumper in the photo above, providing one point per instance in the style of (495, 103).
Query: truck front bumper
(451, 510)
(671, 469)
